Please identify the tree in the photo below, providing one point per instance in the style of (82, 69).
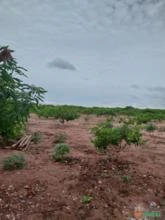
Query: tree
(65, 114)
(16, 97)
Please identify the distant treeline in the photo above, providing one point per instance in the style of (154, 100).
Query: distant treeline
(141, 115)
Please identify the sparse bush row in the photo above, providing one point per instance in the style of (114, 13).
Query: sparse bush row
(69, 112)
(105, 135)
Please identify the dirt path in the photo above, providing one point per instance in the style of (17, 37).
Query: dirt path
(48, 190)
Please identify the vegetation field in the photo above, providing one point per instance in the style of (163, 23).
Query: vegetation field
(85, 163)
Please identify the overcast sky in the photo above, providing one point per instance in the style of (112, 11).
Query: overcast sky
(90, 52)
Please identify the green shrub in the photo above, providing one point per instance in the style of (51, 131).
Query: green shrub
(60, 152)
(105, 136)
(60, 138)
(36, 137)
(124, 129)
(114, 135)
(150, 127)
(134, 136)
(102, 138)
(144, 118)
(126, 179)
(14, 162)
(65, 114)
(86, 199)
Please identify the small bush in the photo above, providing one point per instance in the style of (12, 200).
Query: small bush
(65, 114)
(102, 138)
(60, 138)
(134, 136)
(60, 152)
(114, 135)
(36, 137)
(86, 199)
(150, 127)
(14, 162)
(124, 131)
(126, 179)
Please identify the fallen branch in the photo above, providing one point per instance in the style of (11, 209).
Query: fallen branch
(23, 143)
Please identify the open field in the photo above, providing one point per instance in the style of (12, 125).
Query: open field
(114, 182)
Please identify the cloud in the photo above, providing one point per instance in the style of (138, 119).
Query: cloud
(62, 64)
(135, 86)
(157, 89)
(156, 95)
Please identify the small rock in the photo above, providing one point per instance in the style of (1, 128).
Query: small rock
(68, 208)
(74, 198)
(26, 187)
(8, 216)
(10, 188)
(37, 205)
(153, 204)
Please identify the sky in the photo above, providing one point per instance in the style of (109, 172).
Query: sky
(90, 52)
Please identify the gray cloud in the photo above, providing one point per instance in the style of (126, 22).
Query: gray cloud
(123, 40)
(82, 16)
(135, 86)
(157, 89)
(62, 64)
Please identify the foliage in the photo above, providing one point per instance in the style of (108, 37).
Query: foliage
(58, 112)
(105, 135)
(134, 115)
(115, 137)
(14, 162)
(126, 179)
(16, 97)
(102, 138)
(65, 115)
(134, 135)
(60, 138)
(150, 127)
(60, 152)
(124, 129)
(86, 199)
(36, 137)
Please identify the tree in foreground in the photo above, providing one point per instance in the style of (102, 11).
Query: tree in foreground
(16, 97)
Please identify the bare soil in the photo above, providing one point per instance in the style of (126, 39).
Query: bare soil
(48, 190)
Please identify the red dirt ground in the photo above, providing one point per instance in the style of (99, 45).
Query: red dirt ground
(47, 190)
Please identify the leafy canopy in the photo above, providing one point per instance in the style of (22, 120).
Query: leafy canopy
(16, 97)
